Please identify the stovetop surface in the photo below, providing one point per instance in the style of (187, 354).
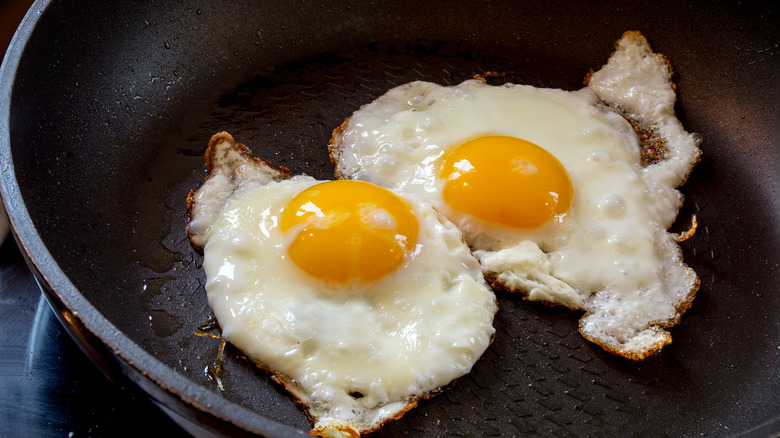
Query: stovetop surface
(48, 386)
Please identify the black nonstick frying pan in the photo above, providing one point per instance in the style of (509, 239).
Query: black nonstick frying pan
(107, 108)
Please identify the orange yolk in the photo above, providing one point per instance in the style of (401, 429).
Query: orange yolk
(505, 180)
(347, 230)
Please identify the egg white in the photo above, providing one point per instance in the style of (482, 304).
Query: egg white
(356, 356)
(610, 254)
(606, 230)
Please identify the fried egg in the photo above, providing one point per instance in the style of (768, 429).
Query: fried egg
(359, 301)
(553, 190)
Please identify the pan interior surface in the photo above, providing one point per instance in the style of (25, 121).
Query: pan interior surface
(108, 123)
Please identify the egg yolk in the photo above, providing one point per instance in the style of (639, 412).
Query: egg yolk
(505, 180)
(347, 230)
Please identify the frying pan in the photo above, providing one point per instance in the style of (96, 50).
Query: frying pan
(108, 106)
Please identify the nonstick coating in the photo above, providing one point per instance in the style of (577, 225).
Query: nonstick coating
(112, 104)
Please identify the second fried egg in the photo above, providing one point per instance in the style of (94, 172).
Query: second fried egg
(549, 189)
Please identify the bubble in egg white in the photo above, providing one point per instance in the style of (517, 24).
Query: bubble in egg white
(612, 205)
